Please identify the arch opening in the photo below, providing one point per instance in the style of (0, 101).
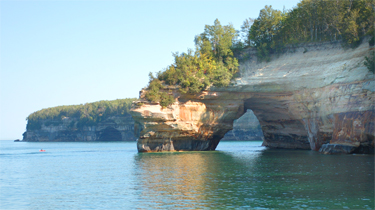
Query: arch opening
(280, 128)
(245, 128)
(110, 134)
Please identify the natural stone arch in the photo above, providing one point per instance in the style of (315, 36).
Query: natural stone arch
(319, 100)
(110, 134)
(280, 128)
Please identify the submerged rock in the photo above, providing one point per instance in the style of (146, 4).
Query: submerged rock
(346, 149)
(337, 148)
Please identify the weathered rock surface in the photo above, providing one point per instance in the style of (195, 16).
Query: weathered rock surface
(301, 99)
(114, 128)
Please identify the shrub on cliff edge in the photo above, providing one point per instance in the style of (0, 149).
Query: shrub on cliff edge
(212, 63)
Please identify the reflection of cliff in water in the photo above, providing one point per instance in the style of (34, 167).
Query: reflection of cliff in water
(186, 179)
(251, 177)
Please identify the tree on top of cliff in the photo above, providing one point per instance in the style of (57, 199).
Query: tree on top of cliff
(263, 33)
(216, 42)
(311, 21)
(212, 63)
(86, 114)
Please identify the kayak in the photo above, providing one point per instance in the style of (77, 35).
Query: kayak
(42, 150)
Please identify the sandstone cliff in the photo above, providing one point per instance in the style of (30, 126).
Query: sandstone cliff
(114, 128)
(319, 94)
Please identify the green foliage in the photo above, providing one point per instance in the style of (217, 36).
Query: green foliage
(216, 41)
(87, 114)
(212, 63)
(155, 93)
(372, 35)
(166, 99)
(221, 76)
(245, 28)
(262, 34)
(370, 62)
(310, 21)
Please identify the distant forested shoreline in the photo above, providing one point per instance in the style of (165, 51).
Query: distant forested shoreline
(86, 114)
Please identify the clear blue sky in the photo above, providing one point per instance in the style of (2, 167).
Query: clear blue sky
(72, 52)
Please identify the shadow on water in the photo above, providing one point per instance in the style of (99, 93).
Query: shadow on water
(254, 177)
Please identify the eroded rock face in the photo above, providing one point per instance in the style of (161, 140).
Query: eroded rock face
(301, 99)
(188, 125)
(114, 128)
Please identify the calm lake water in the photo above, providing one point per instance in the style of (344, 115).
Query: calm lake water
(240, 175)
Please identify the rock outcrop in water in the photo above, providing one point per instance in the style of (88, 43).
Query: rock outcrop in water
(320, 94)
(114, 128)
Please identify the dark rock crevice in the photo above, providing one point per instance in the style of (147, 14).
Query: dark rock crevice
(110, 134)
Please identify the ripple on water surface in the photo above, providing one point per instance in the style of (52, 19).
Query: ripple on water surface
(239, 175)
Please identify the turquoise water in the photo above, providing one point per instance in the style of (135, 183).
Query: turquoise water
(240, 175)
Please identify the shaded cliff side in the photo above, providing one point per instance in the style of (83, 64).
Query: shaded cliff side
(113, 128)
(98, 121)
(315, 95)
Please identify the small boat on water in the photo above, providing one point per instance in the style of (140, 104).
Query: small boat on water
(42, 150)
(17, 140)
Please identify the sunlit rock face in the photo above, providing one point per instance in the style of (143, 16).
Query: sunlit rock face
(186, 125)
(315, 95)
(114, 128)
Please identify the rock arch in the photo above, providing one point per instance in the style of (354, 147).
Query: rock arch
(314, 100)
(280, 128)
